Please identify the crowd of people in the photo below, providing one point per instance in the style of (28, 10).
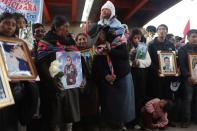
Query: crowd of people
(122, 85)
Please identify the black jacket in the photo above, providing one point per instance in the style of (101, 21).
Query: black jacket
(57, 107)
(183, 59)
(155, 46)
(120, 62)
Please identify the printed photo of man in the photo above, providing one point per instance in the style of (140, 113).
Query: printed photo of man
(167, 67)
(70, 71)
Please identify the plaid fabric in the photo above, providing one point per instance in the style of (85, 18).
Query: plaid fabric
(45, 48)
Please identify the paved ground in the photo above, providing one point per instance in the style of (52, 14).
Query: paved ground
(191, 128)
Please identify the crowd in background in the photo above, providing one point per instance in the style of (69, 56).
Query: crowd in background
(119, 89)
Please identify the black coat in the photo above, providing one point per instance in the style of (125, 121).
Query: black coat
(183, 59)
(161, 86)
(155, 46)
(117, 100)
(57, 107)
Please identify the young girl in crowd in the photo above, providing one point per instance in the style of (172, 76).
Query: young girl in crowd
(155, 114)
(21, 22)
(23, 91)
(139, 66)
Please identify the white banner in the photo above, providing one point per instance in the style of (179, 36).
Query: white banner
(31, 9)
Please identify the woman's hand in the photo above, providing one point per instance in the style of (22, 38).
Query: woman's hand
(132, 51)
(110, 78)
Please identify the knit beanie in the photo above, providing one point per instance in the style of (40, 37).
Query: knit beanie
(109, 5)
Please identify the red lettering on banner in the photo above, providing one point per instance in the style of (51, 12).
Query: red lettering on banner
(34, 8)
(29, 6)
(20, 5)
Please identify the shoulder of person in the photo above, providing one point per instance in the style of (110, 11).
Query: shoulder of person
(116, 23)
(151, 44)
(185, 47)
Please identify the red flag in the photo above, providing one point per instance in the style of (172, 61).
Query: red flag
(187, 28)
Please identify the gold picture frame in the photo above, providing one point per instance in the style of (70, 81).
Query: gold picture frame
(17, 59)
(192, 64)
(167, 63)
(6, 97)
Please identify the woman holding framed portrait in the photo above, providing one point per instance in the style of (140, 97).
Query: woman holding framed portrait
(60, 107)
(23, 96)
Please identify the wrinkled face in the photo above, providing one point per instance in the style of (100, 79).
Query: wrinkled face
(82, 41)
(136, 39)
(63, 30)
(162, 32)
(68, 61)
(105, 13)
(8, 27)
(193, 38)
(21, 23)
(39, 32)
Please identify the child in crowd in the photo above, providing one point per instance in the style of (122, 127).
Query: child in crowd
(139, 62)
(154, 114)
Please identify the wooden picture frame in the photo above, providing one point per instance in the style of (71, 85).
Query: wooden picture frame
(6, 97)
(17, 59)
(167, 63)
(192, 64)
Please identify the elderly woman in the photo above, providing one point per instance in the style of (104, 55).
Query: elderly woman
(111, 73)
(59, 108)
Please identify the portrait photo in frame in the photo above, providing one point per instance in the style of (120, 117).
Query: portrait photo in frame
(6, 97)
(167, 62)
(72, 69)
(17, 60)
(192, 61)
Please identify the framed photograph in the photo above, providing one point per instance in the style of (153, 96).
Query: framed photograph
(192, 61)
(17, 59)
(141, 51)
(88, 56)
(167, 62)
(6, 97)
(72, 69)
